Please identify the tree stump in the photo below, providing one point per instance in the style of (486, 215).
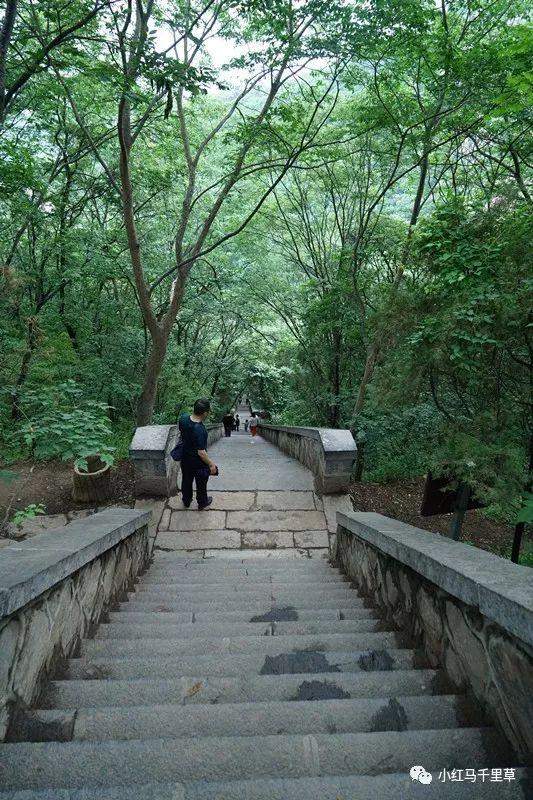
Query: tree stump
(92, 486)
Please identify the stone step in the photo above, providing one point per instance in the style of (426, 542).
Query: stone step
(250, 719)
(242, 561)
(260, 560)
(246, 593)
(334, 787)
(239, 664)
(240, 689)
(242, 556)
(158, 602)
(227, 568)
(236, 583)
(77, 765)
(271, 645)
(286, 554)
(160, 629)
(221, 617)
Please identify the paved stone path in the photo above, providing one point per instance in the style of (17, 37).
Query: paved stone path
(197, 685)
(262, 500)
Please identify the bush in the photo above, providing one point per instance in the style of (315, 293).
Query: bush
(398, 444)
(60, 423)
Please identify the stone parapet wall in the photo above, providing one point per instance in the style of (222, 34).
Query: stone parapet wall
(54, 589)
(215, 431)
(156, 473)
(470, 612)
(330, 454)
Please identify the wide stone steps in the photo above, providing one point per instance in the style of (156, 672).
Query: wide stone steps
(301, 662)
(255, 719)
(94, 764)
(271, 645)
(280, 614)
(208, 605)
(161, 629)
(281, 593)
(248, 679)
(237, 582)
(336, 787)
(197, 568)
(240, 689)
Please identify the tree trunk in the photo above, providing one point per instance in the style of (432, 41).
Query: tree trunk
(92, 486)
(6, 32)
(24, 367)
(371, 358)
(335, 378)
(146, 405)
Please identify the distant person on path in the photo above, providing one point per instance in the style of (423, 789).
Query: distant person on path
(237, 422)
(254, 422)
(246, 426)
(228, 421)
(196, 466)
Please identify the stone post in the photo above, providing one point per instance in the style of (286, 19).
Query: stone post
(156, 473)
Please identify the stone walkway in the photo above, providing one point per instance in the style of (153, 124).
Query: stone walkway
(263, 500)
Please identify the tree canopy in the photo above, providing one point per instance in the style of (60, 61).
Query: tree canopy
(325, 204)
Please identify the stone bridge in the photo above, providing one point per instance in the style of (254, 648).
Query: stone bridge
(278, 646)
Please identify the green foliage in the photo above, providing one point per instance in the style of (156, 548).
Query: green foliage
(60, 423)
(526, 512)
(399, 444)
(29, 512)
(383, 206)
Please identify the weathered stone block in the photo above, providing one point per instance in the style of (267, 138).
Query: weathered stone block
(431, 623)
(156, 473)
(311, 539)
(188, 520)
(32, 527)
(198, 540)
(513, 679)
(285, 501)
(222, 501)
(276, 520)
(468, 648)
(267, 539)
(332, 504)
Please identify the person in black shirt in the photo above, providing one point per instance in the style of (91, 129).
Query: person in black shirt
(196, 466)
(228, 421)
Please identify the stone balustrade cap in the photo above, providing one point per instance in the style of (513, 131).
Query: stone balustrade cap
(31, 567)
(150, 440)
(333, 440)
(501, 590)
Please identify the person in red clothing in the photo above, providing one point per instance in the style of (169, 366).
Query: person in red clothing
(254, 422)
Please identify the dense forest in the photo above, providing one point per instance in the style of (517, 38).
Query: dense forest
(324, 204)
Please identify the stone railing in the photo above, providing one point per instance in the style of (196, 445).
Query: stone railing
(469, 611)
(330, 454)
(53, 589)
(156, 473)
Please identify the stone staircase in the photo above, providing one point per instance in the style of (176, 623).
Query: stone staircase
(248, 679)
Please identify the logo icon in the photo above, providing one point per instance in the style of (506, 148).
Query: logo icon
(421, 775)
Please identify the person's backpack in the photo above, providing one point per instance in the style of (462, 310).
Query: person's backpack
(177, 452)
